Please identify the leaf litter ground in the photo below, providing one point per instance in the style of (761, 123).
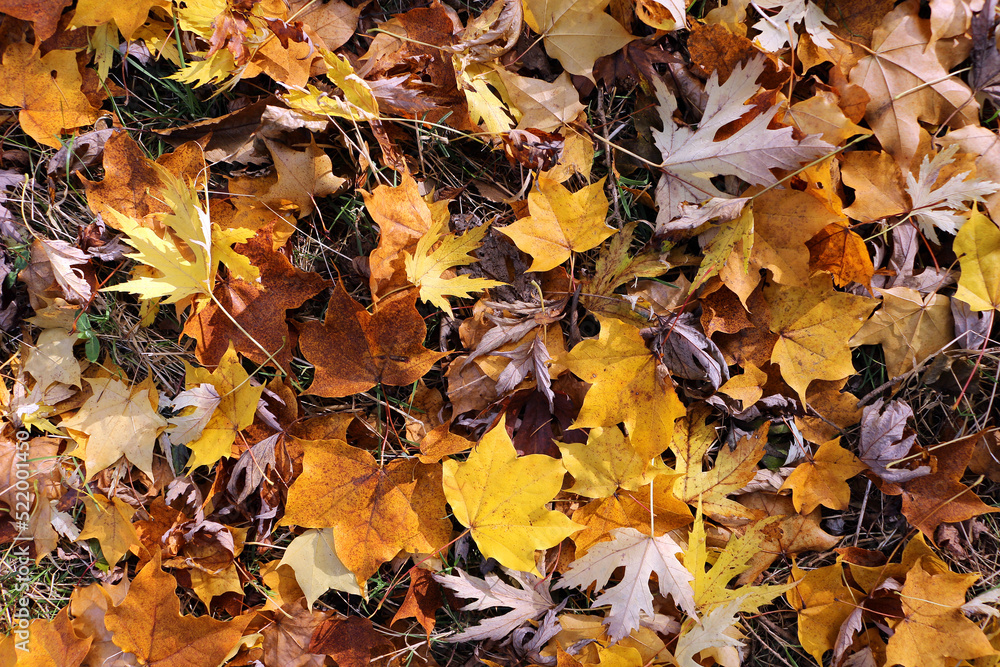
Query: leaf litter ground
(526, 333)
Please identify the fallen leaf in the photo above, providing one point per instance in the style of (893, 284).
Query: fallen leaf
(110, 522)
(353, 350)
(692, 157)
(426, 267)
(813, 326)
(375, 511)
(576, 32)
(933, 631)
(527, 602)
(630, 600)
(47, 90)
(238, 398)
(977, 246)
(625, 387)
(909, 83)
(822, 478)
(258, 308)
(560, 223)
(351, 641)
(167, 639)
(911, 327)
(117, 420)
(422, 601)
(501, 498)
(884, 441)
(313, 557)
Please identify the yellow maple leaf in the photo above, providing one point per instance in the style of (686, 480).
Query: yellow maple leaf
(425, 268)
(47, 90)
(576, 32)
(625, 388)
(501, 498)
(235, 411)
(116, 420)
(605, 463)
(977, 245)
(188, 269)
(358, 102)
(823, 479)
(561, 222)
(111, 523)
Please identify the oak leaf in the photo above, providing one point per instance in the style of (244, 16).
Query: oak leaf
(822, 478)
(375, 511)
(630, 599)
(884, 441)
(560, 223)
(501, 498)
(527, 602)
(716, 630)
(426, 267)
(692, 157)
(165, 638)
(626, 387)
(47, 90)
(353, 350)
(117, 420)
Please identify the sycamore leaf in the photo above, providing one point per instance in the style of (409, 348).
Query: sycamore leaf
(353, 350)
(910, 84)
(528, 602)
(187, 269)
(425, 268)
(942, 205)
(561, 222)
(116, 420)
(576, 32)
(375, 511)
(822, 479)
(313, 557)
(641, 556)
(47, 89)
(692, 157)
(501, 498)
(814, 326)
(605, 463)
(977, 246)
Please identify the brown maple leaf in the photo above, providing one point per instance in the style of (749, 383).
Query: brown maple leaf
(353, 350)
(259, 308)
